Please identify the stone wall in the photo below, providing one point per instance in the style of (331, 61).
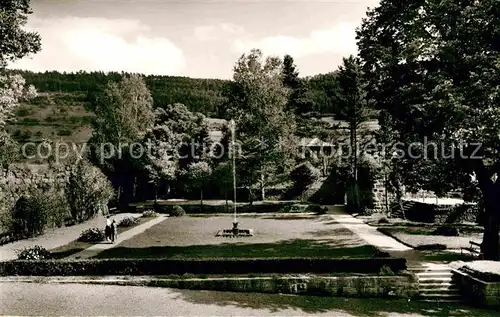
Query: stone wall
(478, 292)
(381, 197)
(442, 214)
(338, 286)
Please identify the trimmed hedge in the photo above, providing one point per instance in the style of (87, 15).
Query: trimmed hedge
(431, 247)
(197, 266)
(258, 208)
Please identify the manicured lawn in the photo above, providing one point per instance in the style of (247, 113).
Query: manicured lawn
(416, 236)
(77, 246)
(194, 237)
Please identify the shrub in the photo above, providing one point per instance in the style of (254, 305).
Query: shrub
(150, 214)
(177, 211)
(446, 231)
(304, 175)
(92, 235)
(30, 121)
(55, 204)
(88, 191)
(6, 216)
(34, 253)
(386, 271)
(197, 266)
(64, 132)
(30, 217)
(23, 112)
(41, 99)
(431, 247)
(128, 222)
(383, 220)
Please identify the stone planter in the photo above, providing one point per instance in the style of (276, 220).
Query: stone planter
(477, 292)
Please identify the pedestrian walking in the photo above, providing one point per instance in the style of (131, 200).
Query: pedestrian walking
(114, 231)
(107, 230)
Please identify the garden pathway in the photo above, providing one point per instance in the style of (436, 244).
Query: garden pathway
(54, 238)
(98, 248)
(366, 232)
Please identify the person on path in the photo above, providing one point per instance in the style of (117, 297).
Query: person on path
(107, 231)
(114, 231)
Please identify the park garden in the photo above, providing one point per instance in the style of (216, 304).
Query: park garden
(173, 175)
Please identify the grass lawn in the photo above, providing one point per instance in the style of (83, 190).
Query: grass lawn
(77, 246)
(194, 237)
(416, 236)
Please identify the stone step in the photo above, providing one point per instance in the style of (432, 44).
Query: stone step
(418, 270)
(440, 296)
(444, 290)
(426, 300)
(437, 285)
(432, 280)
(433, 273)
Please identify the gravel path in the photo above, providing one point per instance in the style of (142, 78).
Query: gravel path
(32, 299)
(54, 238)
(367, 232)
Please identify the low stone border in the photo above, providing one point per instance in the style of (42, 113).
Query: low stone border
(337, 286)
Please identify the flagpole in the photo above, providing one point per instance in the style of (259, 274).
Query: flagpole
(233, 132)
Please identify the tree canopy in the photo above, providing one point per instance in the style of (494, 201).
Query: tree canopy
(433, 70)
(264, 125)
(15, 41)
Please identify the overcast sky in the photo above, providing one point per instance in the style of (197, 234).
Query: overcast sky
(191, 38)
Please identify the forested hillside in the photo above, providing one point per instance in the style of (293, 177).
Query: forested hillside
(199, 95)
(63, 108)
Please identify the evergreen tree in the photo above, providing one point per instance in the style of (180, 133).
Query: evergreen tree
(351, 98)
(299, 101)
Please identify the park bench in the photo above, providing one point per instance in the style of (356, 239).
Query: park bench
(474, 248)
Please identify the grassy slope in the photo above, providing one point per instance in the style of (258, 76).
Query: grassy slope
(54, 116)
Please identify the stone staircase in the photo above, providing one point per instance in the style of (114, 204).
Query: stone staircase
(436, 283)
(396, 210)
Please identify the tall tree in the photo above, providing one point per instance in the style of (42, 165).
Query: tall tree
(87, 191)
(197, 174)
(178, 139)
(351, 98)
(433, 69)
(15, 43)
(264, 127)
(160, 163)
(124, 112)
(298, 102)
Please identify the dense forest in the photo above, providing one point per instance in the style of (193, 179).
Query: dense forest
(199, 95)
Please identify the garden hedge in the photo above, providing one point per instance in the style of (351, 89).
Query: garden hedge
(196, 208)
(196, 266)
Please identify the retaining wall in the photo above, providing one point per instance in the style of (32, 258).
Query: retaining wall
(337, 286)
(478, 292)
